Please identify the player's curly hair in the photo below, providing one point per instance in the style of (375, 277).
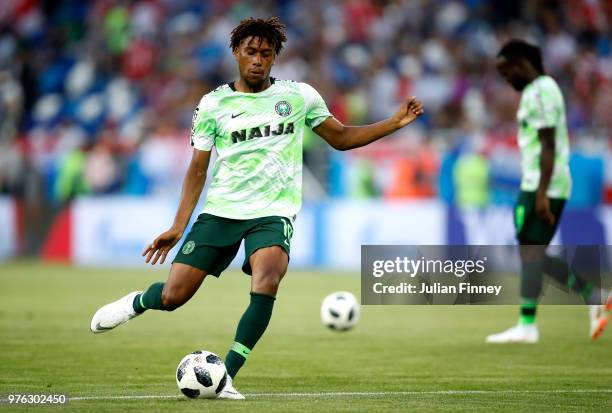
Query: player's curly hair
(520, 49)
(270, 29)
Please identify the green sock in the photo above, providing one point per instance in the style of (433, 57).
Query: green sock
(250, 329)
(150, 299)
(528, 311)
(558, 269)
(589, 293)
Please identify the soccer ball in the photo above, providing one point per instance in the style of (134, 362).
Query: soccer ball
(340, 311)
(201, 374)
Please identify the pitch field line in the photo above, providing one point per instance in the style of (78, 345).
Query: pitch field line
(358, 394)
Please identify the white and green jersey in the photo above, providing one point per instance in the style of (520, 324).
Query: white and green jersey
(258, 138)
(541, 107)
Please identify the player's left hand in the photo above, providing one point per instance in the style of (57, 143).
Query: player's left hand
(159, 248)
(408, 112)
(543, 210)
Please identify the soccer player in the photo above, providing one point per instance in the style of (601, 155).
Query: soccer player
(545, 186)
(256, 125)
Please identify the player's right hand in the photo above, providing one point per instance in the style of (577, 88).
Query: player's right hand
(408, 112)
(161, 246)
(543, 210)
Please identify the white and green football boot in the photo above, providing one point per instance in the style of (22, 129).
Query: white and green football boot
(114, 314)
(230, 392)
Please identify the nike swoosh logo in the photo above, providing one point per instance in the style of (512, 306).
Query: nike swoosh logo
(235, 116)
(99, 327)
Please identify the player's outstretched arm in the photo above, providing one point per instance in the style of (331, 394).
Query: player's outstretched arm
(344, 137)
(192, 188)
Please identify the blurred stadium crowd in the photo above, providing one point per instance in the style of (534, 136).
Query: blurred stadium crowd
(96, 97)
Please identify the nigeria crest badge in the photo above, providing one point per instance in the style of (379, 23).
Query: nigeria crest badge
(283, 108)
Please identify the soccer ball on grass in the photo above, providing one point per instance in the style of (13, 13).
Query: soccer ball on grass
(201, 374)
(340, 311)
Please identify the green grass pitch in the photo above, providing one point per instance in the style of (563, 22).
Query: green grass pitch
(398, 358)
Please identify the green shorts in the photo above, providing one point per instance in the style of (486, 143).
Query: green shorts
(530, 229)
(213, 241)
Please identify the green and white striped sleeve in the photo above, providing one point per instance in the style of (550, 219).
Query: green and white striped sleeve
(203, 125)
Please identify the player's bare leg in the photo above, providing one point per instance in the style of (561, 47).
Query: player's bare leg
(182, 284)
(269, 266)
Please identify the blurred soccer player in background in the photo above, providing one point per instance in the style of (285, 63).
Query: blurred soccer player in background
(256, 125)
(545, 187)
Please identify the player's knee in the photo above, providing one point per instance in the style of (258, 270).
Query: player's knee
(268, 282)
(172, 299)
(531, 253)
